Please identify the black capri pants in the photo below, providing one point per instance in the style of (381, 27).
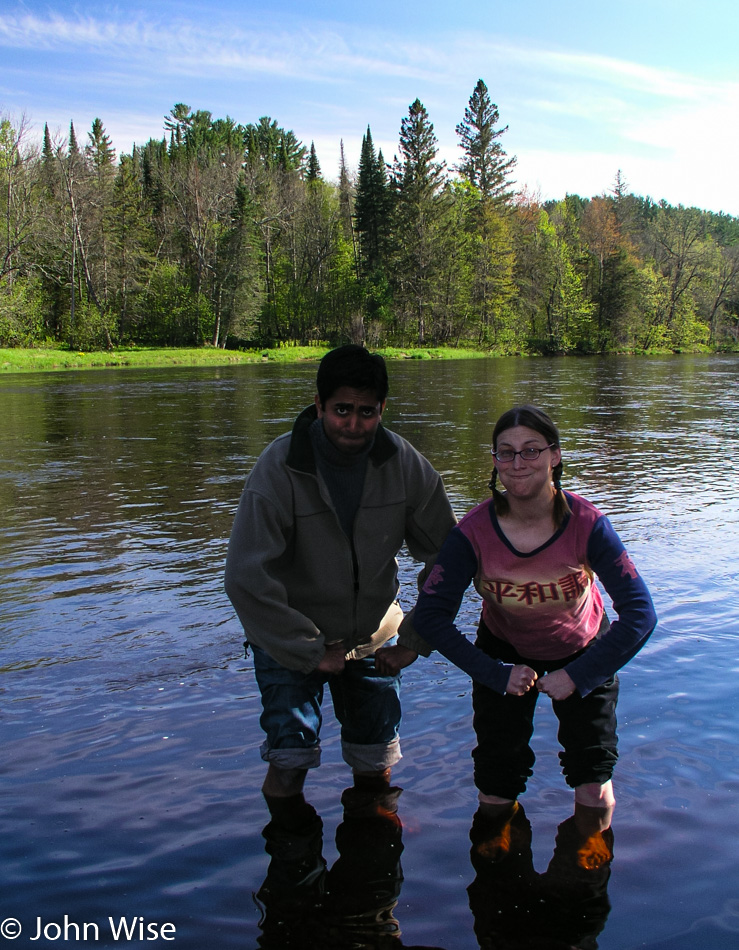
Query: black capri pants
(504, 725)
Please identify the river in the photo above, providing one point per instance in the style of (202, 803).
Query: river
(131, 773)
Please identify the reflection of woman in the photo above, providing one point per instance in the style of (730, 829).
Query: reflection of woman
(532, 553)
(514, 907)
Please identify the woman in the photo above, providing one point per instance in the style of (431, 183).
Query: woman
(532, 553)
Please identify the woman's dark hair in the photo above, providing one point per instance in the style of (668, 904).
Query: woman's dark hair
(351, 365)
(539, 421)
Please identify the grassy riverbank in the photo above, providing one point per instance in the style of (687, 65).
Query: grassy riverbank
(55, 359)
(46, 360)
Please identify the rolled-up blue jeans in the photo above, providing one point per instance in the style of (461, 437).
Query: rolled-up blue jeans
(366, 704)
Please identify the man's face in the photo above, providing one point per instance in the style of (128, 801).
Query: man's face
(350, 418)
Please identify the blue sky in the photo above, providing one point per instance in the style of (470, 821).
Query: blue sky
(585, 88)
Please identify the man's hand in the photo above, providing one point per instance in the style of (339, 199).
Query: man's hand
(556, 685)
(391, 660)
(521, 680)
(334, 659)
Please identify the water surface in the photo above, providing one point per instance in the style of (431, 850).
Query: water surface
(131, 771)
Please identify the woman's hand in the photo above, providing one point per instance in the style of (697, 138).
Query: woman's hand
(391, 660)
(334, 659)
(521, 680)
(556, 685)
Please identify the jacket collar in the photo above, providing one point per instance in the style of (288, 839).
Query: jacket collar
(300, 454)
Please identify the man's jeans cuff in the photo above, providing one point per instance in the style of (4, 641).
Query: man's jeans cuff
(371, 758)
(291, 758)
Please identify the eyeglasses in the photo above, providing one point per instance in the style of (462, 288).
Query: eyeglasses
(529, 454)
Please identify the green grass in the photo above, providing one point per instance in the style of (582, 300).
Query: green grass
(40, 360)
(46, 360)
(62, 358)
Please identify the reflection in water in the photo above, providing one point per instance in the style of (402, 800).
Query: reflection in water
(306, 905)
(514, 907)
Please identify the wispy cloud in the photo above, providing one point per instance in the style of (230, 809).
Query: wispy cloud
(186, 47)
(315, 51)
(572, 111)
(606, 70)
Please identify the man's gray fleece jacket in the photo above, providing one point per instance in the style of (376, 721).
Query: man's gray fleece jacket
(298, 582)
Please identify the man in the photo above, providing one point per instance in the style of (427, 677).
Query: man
(311, 572)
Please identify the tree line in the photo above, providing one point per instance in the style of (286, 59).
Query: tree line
(225, 234)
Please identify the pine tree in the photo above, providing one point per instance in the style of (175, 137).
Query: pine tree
(421, 215)
(313, 172)
(100, 150)
(98, 200)
(130, 239)
(73, 149)
(50, 171)
(371, 207)
(268, 145)
(48, 148)
(346, 200)
(418, 174)
(486, 165)
(177, 123)
(620, 187)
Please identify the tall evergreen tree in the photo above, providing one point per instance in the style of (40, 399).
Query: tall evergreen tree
(485, 165)
(313, 171)
(84, 282)
(420, 219)
(346, 200)
(418, 173)
(48, 149)
(485, 169)
(73, 148)
(130, 240)
(371, 207)
(50, 172)
(177, 123)
(98, 197)
(99, 150)
(269, 145)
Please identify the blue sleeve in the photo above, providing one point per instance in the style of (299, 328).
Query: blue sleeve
(437, 608)
(631, 601)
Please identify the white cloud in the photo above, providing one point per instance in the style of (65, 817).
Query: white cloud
(677, 180)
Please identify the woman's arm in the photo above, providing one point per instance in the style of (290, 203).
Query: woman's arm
(631, 601)
(437, 608)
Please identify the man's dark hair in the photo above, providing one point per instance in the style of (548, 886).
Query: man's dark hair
(351, 365)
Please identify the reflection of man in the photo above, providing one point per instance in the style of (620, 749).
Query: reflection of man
(311, 571)
(351, 905)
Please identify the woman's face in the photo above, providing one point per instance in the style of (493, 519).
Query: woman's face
(526, 478)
